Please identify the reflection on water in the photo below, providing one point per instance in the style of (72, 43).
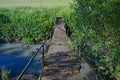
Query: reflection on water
(14, 58)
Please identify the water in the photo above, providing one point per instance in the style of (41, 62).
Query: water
(14, 58)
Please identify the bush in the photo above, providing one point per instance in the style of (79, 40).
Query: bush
(96, 24)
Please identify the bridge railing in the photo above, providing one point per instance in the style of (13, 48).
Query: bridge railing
(33, 57)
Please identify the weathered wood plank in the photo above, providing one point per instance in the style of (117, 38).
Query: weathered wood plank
(60, 61)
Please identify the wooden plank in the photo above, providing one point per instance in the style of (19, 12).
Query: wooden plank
(60, 61)
(117, 77)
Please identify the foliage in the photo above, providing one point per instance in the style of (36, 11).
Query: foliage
(4, 75)
(95, 27)
(34, 25)
(29, 20)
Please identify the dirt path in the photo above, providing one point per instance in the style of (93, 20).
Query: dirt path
(60, 61)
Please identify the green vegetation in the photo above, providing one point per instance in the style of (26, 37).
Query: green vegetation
(35, 3)
(96, 28)
(28, 26)
(4, 75)
(29, 21)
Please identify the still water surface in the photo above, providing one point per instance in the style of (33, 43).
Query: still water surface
(14, 58)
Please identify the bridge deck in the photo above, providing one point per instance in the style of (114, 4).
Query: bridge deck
(60, 61)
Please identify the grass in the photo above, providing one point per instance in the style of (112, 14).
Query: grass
(60, 6)
(30, 20)
(34, 3)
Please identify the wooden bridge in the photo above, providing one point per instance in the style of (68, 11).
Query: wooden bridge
(60, 62)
